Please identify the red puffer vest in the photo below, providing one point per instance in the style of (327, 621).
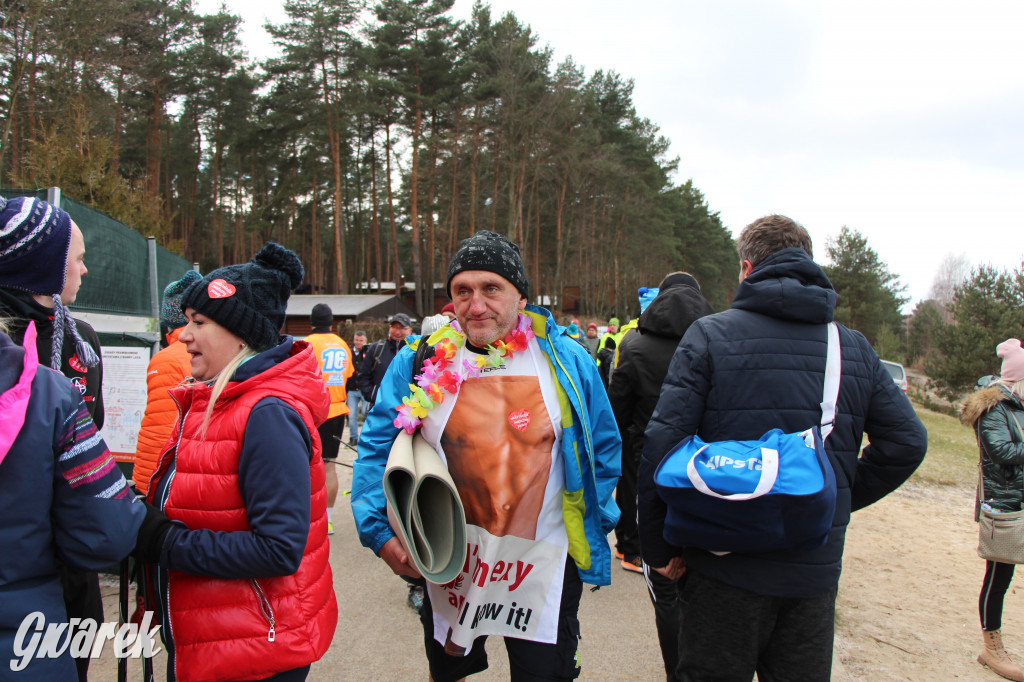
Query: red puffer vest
(248, 629)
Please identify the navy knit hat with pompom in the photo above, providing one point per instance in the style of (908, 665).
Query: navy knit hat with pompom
(249, 300)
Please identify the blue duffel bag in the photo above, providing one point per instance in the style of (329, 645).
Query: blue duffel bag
(775, 493)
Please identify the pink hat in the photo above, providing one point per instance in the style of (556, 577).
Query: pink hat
(1013, 360)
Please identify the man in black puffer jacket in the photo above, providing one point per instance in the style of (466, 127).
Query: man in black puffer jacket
(736, 375)
(644, 357)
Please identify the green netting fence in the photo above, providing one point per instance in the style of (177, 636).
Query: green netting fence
(119, 278)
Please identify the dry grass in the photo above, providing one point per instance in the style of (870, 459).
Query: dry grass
(952, 457)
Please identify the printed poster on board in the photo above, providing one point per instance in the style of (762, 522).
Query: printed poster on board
(124, 398)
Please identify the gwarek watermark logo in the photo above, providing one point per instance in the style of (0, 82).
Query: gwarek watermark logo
(83, 638)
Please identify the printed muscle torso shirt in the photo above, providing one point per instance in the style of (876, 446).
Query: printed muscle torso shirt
(499, 437)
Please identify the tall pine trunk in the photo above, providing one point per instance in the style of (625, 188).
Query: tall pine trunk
(429, 275)
(395, 267)
(376, 216)
(218, 224)
(153, 139)
(316, 267)
(414, 208)
(453, 199)
(559, 231)
(494, 187)
(473, 172)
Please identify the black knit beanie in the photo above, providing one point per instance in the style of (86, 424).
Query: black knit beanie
(321, 316)
(492, 252)
(679, 279)
(249, 300)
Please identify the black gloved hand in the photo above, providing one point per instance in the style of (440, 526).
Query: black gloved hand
(151, 536)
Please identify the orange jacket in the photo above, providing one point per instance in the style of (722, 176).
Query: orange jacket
(335, 359)
(166, 370)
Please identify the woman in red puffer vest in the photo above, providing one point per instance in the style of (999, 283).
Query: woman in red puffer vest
(237, 525)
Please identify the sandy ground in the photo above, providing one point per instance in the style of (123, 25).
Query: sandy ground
(907, 607)
(908, 600)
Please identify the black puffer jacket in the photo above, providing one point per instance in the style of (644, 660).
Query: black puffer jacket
(644, 356)
(991, 413)
(376, 360)
(761, 365)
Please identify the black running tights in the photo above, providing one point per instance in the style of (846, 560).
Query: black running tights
(993, 589)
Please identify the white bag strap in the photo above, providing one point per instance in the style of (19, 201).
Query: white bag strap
(769, 472)
(830, 394)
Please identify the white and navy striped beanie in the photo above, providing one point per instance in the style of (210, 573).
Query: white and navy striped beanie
(34, 240)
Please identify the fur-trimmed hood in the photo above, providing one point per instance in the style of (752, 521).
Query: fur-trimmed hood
(981, 401)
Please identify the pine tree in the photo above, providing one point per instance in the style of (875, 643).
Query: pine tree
(870, 296)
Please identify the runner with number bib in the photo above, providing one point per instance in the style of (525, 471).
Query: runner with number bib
(335, 360)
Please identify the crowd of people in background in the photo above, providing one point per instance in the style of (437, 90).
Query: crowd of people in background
(552, 429)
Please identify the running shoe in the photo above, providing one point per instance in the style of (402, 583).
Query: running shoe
(633, 563)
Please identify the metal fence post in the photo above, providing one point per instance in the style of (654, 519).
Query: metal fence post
(154, 281)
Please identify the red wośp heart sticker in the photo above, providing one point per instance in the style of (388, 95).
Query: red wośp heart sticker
(76, 364)
(218, 288)
(519, 419)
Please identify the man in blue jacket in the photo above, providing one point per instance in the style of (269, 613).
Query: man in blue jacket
(517, 411)
(736, 375)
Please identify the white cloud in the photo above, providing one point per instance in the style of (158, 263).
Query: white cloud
(899, 118)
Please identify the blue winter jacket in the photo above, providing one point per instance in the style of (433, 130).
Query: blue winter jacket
(591, 450)
(62, 497)
(759, 366)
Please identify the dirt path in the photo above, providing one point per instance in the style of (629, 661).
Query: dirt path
(908, 599)
(907, 607)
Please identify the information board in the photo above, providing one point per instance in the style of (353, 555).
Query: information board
(124, 398)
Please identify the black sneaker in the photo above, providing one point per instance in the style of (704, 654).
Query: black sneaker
(633, 563)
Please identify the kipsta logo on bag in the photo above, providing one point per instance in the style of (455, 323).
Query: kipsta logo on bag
(721, 461)
(218, 288)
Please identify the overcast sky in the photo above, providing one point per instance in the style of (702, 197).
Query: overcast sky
(899, 118)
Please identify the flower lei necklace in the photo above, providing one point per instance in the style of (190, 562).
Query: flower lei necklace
(437, 376)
